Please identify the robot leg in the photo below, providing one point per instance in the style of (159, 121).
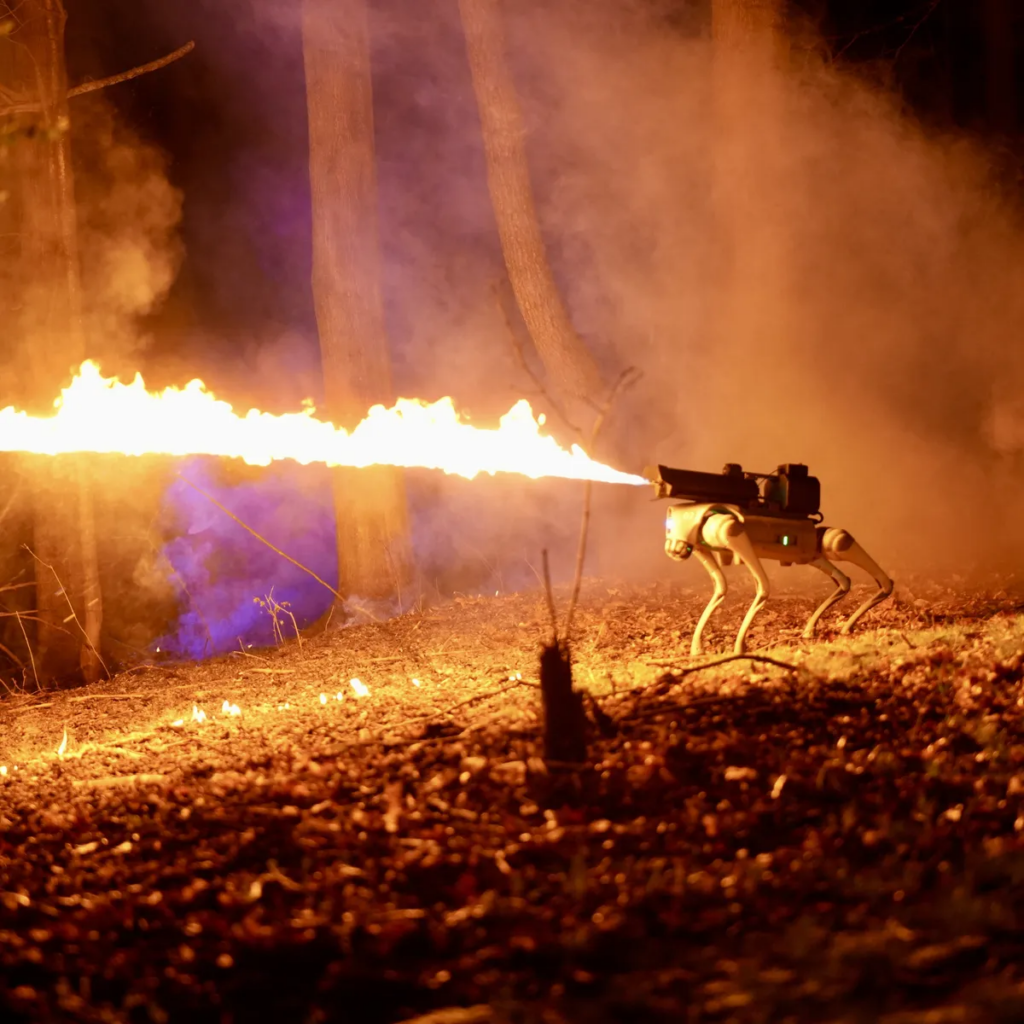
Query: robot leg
(842, 582)
(839, 546)
(725, 531)
(708, 560)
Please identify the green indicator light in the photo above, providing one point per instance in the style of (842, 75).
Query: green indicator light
(785, 541)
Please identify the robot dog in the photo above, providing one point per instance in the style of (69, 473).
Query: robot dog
(746, 517)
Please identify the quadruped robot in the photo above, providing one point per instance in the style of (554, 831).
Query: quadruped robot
(746, 517)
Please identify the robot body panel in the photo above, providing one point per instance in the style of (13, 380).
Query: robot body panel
(781, 523)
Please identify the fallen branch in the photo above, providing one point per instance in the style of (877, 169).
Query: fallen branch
(103, 83)
(724, 660)
(109, 696)
(116, 781)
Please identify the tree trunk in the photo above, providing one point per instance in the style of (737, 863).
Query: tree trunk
(755, 301)
(1000, 70)
(569, 365)
(67, 573)
(373, 546)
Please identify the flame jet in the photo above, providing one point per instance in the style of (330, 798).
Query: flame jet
(103, 415)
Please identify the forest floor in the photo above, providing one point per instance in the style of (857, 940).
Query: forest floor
(838, 841)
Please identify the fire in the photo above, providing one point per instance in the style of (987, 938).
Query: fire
(101, 414)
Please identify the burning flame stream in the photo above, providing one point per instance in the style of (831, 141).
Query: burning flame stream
(100, 414)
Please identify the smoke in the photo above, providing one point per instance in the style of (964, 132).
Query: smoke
(801, 271)
(128, 216)
(236, 589)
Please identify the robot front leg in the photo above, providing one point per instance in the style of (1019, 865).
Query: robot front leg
(842, 582)
(708, 560)
(839, 546)
(725, 531)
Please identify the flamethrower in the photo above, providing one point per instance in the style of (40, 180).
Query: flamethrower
(746, 517)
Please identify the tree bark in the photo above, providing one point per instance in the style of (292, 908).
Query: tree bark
(68, 595)
(1000, 64)
(568, 363)
(372, 520)
(749, 56)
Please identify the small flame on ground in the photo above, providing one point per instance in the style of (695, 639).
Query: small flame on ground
(63, 744)
(198, 714)
(228, 708)
(416, 682)
(362, 690)
(323, 698)
(100, 414)
(3, 769)
(178, 723)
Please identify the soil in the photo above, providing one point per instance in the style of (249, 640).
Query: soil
(836, 836)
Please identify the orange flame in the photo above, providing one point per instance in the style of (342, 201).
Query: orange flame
(101, 414)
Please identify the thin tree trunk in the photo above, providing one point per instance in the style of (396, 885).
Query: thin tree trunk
(1000, 64)
(566, 359)
(67, 572)
(754, 306)
(372, 520)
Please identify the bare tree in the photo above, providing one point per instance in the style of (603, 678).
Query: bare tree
(49, 297)
(373, 545)
(568, 363)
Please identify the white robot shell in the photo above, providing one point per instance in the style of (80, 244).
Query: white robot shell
(717, 534)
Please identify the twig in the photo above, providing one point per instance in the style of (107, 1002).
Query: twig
(208, 644)
(127, 76)
(520, 355)
(491, 693)
(10, 502)
(31, 656)
(933, 7)
(115, 781)
(260, 538)
(627, 378)
(109, 696)
(550, 597)
(102, 83)
(74, 615)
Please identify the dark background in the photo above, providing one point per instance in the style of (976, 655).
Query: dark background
(231, 118)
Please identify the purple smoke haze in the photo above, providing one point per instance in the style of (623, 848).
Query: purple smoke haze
(227, 572)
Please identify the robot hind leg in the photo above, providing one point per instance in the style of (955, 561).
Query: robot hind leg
(839, 546)
(842, 582)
